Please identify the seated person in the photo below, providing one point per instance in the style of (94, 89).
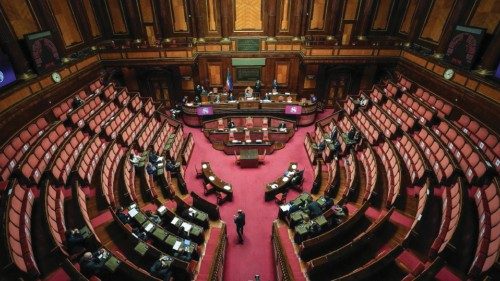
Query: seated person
(297, 178)
(230, 97)
(336, 149)
(173, 167)
(184, 100)
(321, 146)
(77, 102)
(153, 217)
(155, 159)
(328, 201)
(334, 133)
(361, 101)
(150, 169)
(350, 134)
(196, 100)
(313, 98)
(230, 124)
(137, 232)
(135, 159)
(314, 209)
(182, 254)
(161, 268)
(248, 92)
(122, 216)
(217, 98)
(357, 137)
(266, 97)
(282, 126)
(91, 264)
(74, 240)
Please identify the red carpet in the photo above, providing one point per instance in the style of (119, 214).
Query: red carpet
(243, 262)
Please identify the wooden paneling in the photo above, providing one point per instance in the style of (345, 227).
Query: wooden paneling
(384, 8)
(486, 15)
(95, 31)
(146, 11)
(20, 17)
(318, 14)
(214, 74)
(282, 72)
(179, 16)
(411, 7)
(346, 34)
(115, 12)
(63, 13)
(212, 15)
(351, 10)
(248, 15)
(285, 9)
(436, 20)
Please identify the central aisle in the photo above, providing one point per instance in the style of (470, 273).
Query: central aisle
(255, 255)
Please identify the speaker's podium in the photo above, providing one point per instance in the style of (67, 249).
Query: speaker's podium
(249, 104)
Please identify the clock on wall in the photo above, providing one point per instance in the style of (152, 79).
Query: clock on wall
(56, 77)
(448, 74)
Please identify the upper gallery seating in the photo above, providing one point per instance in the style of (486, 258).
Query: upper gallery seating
(472, 162)
(17, 228)
(439, 159)
(89, 159)
(393, 170)
(487, 199)
(412, 157)
(398, 113)
(63, 163)
(21, 142)
(36, 160)
(115, 125)
(82, 113)
(482, 137)
(61, 110)
(452, 209)
(54, 216)
(443, 108)
(388, 126)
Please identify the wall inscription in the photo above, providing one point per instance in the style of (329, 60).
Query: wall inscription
(248, 45)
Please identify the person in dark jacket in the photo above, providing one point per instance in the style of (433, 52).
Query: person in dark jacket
(124, 218)
(91, 264)
(239, 220)
(74, 239)
(161, 268)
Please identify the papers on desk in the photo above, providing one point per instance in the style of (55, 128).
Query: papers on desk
(285, 179)
(149, 227)
(160, 165)
(258, 141)
(227, 187)
(175, 220)
(232, 101)
(233, 129)
(294, 166)
(177, 245)
(187, 226)
(236, 141)
(192, 211)
(189, 103)
(286, 93)
(265, 101)
(133, 212)
(160, 159)
(211, 178)
(248, 140)
(161, 210)
(204, 166)
(133, 206)
(285, 207)
(274, 186)
(264, 129)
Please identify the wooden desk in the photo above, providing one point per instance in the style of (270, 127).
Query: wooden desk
(280, 184)
(218, 184)
(249, 158)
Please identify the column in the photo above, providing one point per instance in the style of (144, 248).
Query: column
(225, 26)
(271, 20)
(365, 21)
(10, 45)
(491, 56)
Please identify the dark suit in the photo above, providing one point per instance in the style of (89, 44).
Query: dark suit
(160, 271)
(239, 220)
(74, 240)
(91, 267)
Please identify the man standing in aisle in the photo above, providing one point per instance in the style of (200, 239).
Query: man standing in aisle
(239, 220)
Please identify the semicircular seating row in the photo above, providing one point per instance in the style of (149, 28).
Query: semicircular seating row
(420, 149)
(63, 148)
